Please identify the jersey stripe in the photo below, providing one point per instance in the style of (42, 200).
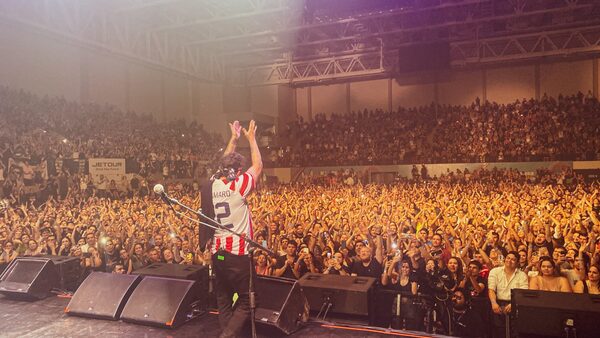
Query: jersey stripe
(245, 180)
(229, 244)
(242, 246)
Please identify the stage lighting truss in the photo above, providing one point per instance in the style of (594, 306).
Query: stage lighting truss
(260, 42)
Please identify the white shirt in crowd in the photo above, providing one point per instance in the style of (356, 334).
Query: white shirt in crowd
(499, 282)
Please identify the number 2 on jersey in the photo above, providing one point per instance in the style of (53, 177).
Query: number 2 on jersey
(226, 212)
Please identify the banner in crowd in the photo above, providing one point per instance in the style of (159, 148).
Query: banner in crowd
(29, 170)
(109, 168)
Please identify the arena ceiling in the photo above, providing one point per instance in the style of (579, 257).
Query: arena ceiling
(303, 42)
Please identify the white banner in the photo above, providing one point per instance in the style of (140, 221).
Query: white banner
(110, 168)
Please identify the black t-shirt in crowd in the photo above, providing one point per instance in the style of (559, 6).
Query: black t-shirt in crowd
(374, 269)
(469, 287)
(288, 273)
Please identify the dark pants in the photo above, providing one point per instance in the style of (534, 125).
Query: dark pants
(232, 275)
(499, 322)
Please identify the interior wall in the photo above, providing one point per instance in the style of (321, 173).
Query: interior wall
(208, 106)
(412, 95)
(567, 77)
(302, 107)
(38, 64)
(236, 98)
(263, 100)
(329, 99)
(286, 106)
(176, 96)
(146, 90)
(456, 87)
(46, 65)
(369, 94)
(460, 88)
(505, 85)
(107, 79)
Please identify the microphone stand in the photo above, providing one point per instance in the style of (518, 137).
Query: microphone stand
(217, 226)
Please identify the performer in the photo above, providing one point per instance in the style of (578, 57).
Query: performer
(225, 201)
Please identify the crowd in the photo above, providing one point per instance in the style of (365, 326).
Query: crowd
(526, 130)
(58, 132)
(443, 239)
(409, 235)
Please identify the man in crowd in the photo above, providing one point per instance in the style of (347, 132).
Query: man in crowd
(284, 266)
(500, 283)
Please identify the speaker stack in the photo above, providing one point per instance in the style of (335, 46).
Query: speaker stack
(102, 295)
(33, 278)
(164, 295)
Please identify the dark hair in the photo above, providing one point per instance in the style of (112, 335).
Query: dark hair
(514, 253)
(549, 259)
(597, 266)
(459, 268)
(233, 161)
(476, 263)
(293, 242)
(465, 294)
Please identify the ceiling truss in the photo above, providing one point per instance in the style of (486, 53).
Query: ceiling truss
(280, 41)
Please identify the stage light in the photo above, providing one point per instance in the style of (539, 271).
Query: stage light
(65, 140)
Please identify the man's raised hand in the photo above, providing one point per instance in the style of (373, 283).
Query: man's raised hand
(250, 133)
(236, 129)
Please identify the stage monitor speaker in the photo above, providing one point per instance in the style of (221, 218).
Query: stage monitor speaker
(102, 295)
(198, 273)
(346, 294)
(552, 314)
(29, 278)
(164, 302)
(68, 269)
(281, 305)
(178, 271)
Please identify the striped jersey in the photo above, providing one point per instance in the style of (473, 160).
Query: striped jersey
(232, 211)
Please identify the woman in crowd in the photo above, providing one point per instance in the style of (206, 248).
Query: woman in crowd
(65, 247)
(168, 257)
(336, 265)
(138, 258)
(591, 285)
(8, 254)
(262, 264)
(455, 271)
(549, 278)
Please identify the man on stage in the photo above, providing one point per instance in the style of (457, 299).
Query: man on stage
(230, 187)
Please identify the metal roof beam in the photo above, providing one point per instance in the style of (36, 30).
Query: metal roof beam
(221, 19)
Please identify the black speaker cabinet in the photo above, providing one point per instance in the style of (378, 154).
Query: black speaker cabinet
(281, 305)
(68, 269)
(179, 271)
(29, 278)
(102, 295)
(164, 302)
(547, 314)
(198, 273)
(346, 294)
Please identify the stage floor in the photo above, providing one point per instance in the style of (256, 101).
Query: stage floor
(45, 318)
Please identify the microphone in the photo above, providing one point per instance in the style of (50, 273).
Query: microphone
(160, 191)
